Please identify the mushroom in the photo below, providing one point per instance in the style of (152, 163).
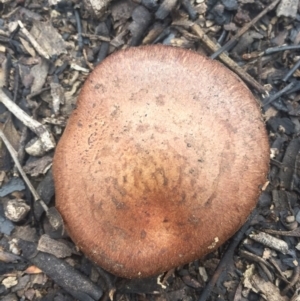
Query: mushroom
(161, 162)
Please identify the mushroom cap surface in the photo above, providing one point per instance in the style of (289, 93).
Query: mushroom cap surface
(161, 162)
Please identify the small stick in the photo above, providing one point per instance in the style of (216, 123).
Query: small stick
(190, 9)
(103, 51)
(96, 37)
(277, 269)
(14, 156)
(33, 41)
(267, 272)
(109, 285)
(255, 258)
(291, 71)
(16, 84)
(79, 29)
(32, 95)
(39, 129)
(54, 217)
(281, 48)
(226, 258)
(244, 29)
(228, 61)
(286, 89)
(222, 37)
(11, 13)
(271, 242)
(165, 8)
(295, 232)
(21, 150)
(262, 262)
(23, 139)
(293, 281)
(259, 64)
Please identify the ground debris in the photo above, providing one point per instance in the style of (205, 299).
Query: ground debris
(287, 8)
(266, 289)
(54, 247)
(47, 50)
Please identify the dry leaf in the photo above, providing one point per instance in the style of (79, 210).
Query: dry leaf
(33, 270)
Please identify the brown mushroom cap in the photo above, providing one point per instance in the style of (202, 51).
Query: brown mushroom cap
(161, 162)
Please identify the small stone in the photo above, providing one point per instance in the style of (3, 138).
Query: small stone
(13, 247)
(29, 294)
(230, 4)
(290, 219)
(54, 247)
(298, 217)
(96, 7)
(94, 275)
(10, 297)
(25, 232)
(15, 184)
(287, 8)
(209, 23)
(12, 26)
(202, 272)
(201, 8)
(9, 282)
(230, 27)
(6, 226)
(22, 283)
(40, 279)
(15, 210)
(35, 147)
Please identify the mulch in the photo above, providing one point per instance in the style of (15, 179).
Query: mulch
(47, 50)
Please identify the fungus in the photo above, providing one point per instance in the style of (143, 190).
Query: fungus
(161, 162)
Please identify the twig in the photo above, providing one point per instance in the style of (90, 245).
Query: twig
(270, 241)
(255, 258)
(14, 155)
(32, 95)
(104, 47)
(228, 61)
(295, 232)
(277, 269)
(33, 41)
(226, 258)
(243, 30)
(11, 13)
(54, 217)
(70, 279)
(222, 37)
(22, 142)
(96, 37)
(190, 9)
(21, 150)
(264, 264)
(16, 84)
(109, 285)
(281, 48)
(39, 129)
(165, 8)
(267, 272)
(291, 71)
(259, 64)
(285, 90)
(79, 29)
(103, 51)
(266, 288)
(293, 281)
